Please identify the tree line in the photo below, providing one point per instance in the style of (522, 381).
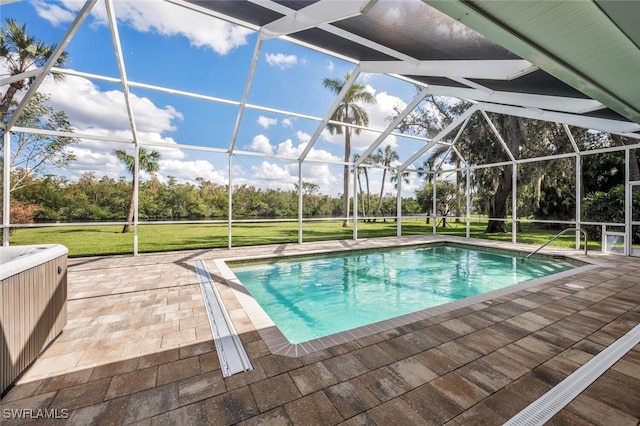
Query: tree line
(54, 198)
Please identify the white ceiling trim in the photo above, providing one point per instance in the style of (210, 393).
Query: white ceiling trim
(623, 128)
(483, 69)
(543, 102)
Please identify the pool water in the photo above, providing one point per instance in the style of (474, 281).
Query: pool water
(312, 297)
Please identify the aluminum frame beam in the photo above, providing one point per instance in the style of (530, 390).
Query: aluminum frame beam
(321, 12)
(455, 123)
(327, 118)
(409, 108)
(485, 69)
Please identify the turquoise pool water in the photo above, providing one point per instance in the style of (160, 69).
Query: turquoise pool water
(312, 297)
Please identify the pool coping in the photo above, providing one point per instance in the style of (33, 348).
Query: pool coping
(278, 344)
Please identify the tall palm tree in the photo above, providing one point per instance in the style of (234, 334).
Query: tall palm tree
(385, 158)
(22, 53)
(349, 112)
(148, 161)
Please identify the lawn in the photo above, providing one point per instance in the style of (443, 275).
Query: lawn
(94, 240)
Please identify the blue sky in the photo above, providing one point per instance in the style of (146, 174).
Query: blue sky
(169, 46)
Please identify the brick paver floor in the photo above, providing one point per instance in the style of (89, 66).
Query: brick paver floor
(138, 349)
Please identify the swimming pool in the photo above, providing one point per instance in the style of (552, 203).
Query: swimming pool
(315, 296)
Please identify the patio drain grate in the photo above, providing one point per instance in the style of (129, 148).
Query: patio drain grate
(231, 353)
(545, 407)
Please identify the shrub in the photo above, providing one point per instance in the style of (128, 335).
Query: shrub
(608, 207)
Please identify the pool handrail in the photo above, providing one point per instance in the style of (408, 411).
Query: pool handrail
(557, 236)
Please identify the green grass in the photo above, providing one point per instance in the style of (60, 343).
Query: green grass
(108, 240)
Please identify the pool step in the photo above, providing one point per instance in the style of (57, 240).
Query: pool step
(231, 353)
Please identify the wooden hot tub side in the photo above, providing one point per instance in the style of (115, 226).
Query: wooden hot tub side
(33, 313)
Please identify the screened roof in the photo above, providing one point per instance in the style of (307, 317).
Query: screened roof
(536, 59)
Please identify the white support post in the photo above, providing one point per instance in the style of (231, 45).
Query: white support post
(300, 200)
(355, 202)
(6, 189)
(468, 218)
(578, 198)
(434, 215)
(399, 206)
(514, 203)
(628, 201)
(230, 202)
(578, 211)
(136, 190)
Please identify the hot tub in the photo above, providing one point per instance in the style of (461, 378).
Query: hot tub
(33, 305)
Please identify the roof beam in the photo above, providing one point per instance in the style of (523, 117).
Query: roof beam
(345, 89)
(543, 102)
(499, 136)
(22, 76)
(444, 132)
(321, 12)
(483, 69)
(245, 95)
(622, 128)
(115, 36)
(392, 126)
(453, 148)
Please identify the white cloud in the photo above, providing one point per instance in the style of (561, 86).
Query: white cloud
(287, 122)
(281, 60)
(330, 65)
(266, 122)
(261, 143)
(188, 171)
(103, 113)
(380, 112)
(90, 109)
(302, 136)
(287, 149)
(99, 161)
(54, 13)
(160, 17)
(273, 176)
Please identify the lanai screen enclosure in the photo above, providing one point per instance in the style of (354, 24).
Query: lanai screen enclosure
(212, 86)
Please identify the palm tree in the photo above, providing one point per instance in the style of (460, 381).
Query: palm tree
(348, 112)
(22, 53)
(148, 161)
(385, 158)
(394, 178)
(366, 204)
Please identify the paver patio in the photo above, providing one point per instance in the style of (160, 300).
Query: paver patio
(138, 349)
